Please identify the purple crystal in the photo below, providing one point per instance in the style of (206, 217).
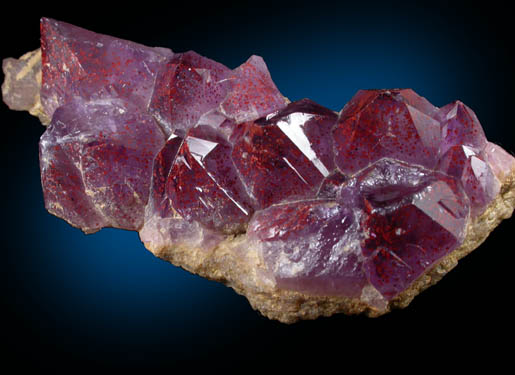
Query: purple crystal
(500, 161)
(475, 175)
(208, 162)
(96, 162)
(412, 217)
(164, 228)
(390, 223)
(285, 156)
(383, 123)
(460, 126)
(187, 87)
(78, 62)
(253, 94)
(311, 246)
(204, 186)
(332, 184)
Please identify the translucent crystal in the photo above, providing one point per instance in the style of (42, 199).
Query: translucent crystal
(96, 163)
(385, 123)
(285, 156)
(220, 174)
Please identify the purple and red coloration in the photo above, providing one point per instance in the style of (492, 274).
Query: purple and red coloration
(187, 151)
(96, 163)
(476, 176)
(303, 244)
(203, 183)
(386, 123)
(187, 87)
(253, 94)
(411, 217)
(80, 63)
(460, 126)
(285, 156)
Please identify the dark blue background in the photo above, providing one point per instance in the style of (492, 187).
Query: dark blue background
(103, 299)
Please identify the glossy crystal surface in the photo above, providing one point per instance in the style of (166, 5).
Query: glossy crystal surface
(190, 153)
(285, 156)
(188, 86)
(411, 217)
(203, 183)
(96, 163)
(386, 123)
(312, 246)
(80, 63)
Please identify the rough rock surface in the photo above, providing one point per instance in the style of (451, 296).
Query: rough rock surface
(305, 211)
(243, 269)
(22, 83)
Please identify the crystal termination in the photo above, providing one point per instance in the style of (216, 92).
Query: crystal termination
(305, 211)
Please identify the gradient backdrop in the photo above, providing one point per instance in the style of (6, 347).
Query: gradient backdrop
(103, 299)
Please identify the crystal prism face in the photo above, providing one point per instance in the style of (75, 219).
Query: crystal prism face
(204, 185)
(220, 174)
(311, 246)
(159, 200)
(78, 62)
(475, 175)
(187, 87)
(253, 93)
(163, 226)
(96, 163)
(499, 160)
(190, 86)
(332, 185)
(460, 126)
(386, 123)
(285, 156)
(387, 225)
(411, 218)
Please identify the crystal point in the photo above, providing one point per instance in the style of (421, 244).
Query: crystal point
(107, 147)
(187, 87)
(382, 123)
(411, 218)
(305, 211)
(287, 155)
(460, 126)
(254, 94)
(78, 62)
(204, 186)
(474, 173)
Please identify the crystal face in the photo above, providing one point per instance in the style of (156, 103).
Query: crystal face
(96, 163)
(312, 246)
(78, 62)
(188, 86)
(411, 218)
(203, 183)
(205, 161)
(386, 123)
(287, 155)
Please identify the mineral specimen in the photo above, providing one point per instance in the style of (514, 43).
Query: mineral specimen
(305, 211)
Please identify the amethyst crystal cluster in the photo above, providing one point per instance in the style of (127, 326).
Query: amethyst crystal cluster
(357, 204)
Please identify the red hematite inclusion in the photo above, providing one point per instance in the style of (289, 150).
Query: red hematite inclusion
(204, 185)
(188, 152)
(386, 123)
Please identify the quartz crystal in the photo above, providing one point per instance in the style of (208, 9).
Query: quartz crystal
(96, 163)
(287, 155)
(204, 186)
(304, 210)
(188, 86)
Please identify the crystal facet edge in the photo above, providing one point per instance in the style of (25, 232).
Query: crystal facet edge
(242, 268)
(238, 269)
